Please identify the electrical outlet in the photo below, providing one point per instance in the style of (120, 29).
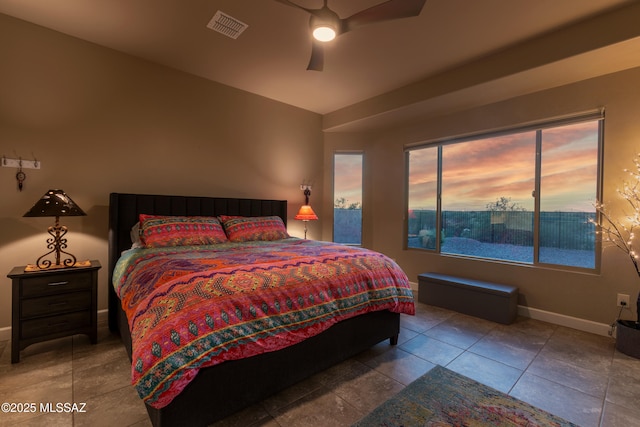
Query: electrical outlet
(623, 300)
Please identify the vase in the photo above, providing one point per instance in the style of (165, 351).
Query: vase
(628, 338)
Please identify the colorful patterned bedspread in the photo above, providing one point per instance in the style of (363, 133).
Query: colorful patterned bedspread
(192, 307)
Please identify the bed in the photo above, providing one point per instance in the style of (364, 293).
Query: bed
(230, 385)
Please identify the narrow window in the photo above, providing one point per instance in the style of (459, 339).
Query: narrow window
(347, 198)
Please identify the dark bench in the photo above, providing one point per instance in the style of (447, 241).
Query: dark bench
(491, 301)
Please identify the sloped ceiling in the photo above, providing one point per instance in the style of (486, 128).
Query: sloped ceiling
(374, 74)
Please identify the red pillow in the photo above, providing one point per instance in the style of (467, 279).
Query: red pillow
(246, 228)
(160, 231)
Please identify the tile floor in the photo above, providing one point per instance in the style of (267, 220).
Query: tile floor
(575, 375)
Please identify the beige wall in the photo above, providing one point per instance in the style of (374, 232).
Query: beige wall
(584, 296)
(100, 122)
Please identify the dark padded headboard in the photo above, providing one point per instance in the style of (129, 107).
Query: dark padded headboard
(125, 208)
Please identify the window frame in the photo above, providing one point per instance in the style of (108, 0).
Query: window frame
(539, 127)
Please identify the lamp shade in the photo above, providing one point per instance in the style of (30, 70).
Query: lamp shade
(306, 214)
(55, 203)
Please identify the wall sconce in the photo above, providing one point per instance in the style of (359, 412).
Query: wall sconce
(55, 203)
(305, 213)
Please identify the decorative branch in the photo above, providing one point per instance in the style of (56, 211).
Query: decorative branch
(621, 233)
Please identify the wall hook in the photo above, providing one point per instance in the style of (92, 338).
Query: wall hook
(21, 163)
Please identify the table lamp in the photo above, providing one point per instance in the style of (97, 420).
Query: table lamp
(55, 203)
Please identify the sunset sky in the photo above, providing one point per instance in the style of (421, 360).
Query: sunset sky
(479, 172)
(348, 177)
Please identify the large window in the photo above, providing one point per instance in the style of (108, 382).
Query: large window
(523, 196)
(347, 197)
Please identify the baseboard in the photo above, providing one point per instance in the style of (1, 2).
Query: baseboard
(563, 320)
(5, 333)
(554, 318)
(414, 289)
(103, 316)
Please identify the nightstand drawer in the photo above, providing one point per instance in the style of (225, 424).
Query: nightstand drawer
(47, 285)
(55, 324)
(54, 304)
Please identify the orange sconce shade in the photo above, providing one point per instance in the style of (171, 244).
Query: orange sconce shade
(306, 214)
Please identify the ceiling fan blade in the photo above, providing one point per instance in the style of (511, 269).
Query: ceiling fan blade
(316, 62)
(392, 9)
(297, 6)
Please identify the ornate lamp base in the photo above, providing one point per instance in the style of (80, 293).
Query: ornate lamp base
(57, 243)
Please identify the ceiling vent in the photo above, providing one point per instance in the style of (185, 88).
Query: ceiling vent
(227, 25)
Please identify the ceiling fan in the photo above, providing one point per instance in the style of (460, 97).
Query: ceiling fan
(326, 25)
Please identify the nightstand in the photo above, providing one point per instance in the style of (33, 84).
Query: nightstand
(48, 304)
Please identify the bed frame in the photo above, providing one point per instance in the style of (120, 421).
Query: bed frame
(221, 390)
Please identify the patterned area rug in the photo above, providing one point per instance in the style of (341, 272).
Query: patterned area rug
(444, 398)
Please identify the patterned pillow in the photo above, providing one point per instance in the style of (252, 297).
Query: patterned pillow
(245, 228)
(160, 231)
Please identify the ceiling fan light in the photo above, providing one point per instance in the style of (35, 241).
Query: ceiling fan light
(324, 33)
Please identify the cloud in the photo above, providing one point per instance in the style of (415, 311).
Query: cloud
(347, 179)
(479, 172)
